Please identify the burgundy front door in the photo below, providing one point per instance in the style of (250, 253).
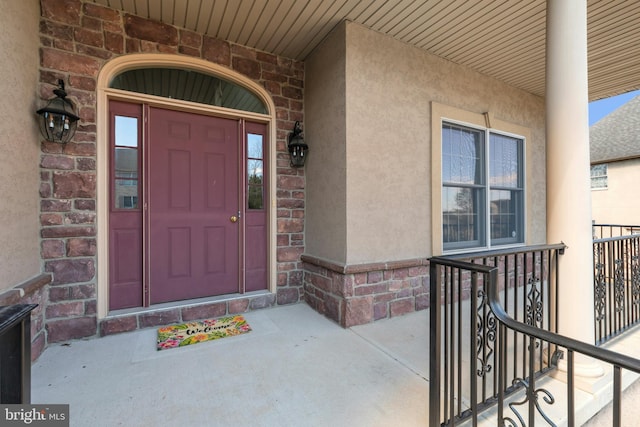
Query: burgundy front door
(189, 199)
(193, 207)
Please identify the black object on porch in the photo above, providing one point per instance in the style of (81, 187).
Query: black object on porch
(15, 354)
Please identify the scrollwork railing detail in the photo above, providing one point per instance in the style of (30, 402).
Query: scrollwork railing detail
(530, 395)
(635, 281)
(600, 293)
(618, 286)
(534, 307)
(486, 334)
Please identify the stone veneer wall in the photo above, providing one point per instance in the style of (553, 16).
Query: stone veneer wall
(33, 291)
(359, 294)
(77, 39)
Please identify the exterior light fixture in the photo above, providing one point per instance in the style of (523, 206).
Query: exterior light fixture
(58, 120)
(297, 148)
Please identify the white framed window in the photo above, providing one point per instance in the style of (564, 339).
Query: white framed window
(599, 180)
(483, 203)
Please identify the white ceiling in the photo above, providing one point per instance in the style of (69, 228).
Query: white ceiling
(502, 38)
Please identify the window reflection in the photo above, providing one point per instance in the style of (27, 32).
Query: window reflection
(126, 163)
(482, 188)
(189, 85)
(506, 181)
(462, 152)
(462, 214)
(255, 172)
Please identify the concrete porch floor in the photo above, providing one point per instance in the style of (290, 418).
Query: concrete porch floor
(296, 368)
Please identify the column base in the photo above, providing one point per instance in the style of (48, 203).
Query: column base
(589, 375)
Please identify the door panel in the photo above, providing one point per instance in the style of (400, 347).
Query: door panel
(215, 174)
(256, 255)
(193, 193)
(125, 277)
(179, 165)
(179, 252)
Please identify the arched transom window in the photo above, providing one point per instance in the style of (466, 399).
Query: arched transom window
(188, 85)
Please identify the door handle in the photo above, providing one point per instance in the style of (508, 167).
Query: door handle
(233, 218)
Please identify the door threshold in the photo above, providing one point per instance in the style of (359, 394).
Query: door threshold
(183, 303)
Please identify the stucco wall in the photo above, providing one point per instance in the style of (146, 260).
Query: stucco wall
(618, 204)
(325, 87)
(19, 138)
(389, 89)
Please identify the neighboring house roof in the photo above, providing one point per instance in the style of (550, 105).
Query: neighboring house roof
(617, 136)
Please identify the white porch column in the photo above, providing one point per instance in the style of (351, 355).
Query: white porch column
(568, 166)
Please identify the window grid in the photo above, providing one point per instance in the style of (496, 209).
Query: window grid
(599, 178)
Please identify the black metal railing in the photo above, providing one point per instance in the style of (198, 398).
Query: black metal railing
(616, 285)
(602, 231)
(441, 404)
(464, 330)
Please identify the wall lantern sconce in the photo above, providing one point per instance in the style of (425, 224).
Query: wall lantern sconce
(297, 148)
(58, 120)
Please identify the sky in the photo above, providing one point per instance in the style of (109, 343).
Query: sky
(599, 109)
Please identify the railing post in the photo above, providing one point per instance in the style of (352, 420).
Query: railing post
(473, 341)
(617, 390)
(502, 348)
(434, 344)
(571, 402)
(15, 354)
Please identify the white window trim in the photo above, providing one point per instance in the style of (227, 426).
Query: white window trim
(440, 114)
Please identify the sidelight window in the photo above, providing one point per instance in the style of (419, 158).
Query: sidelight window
(255, 171)
(126, 163)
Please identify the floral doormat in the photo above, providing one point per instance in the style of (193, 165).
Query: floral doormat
(206, 330)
